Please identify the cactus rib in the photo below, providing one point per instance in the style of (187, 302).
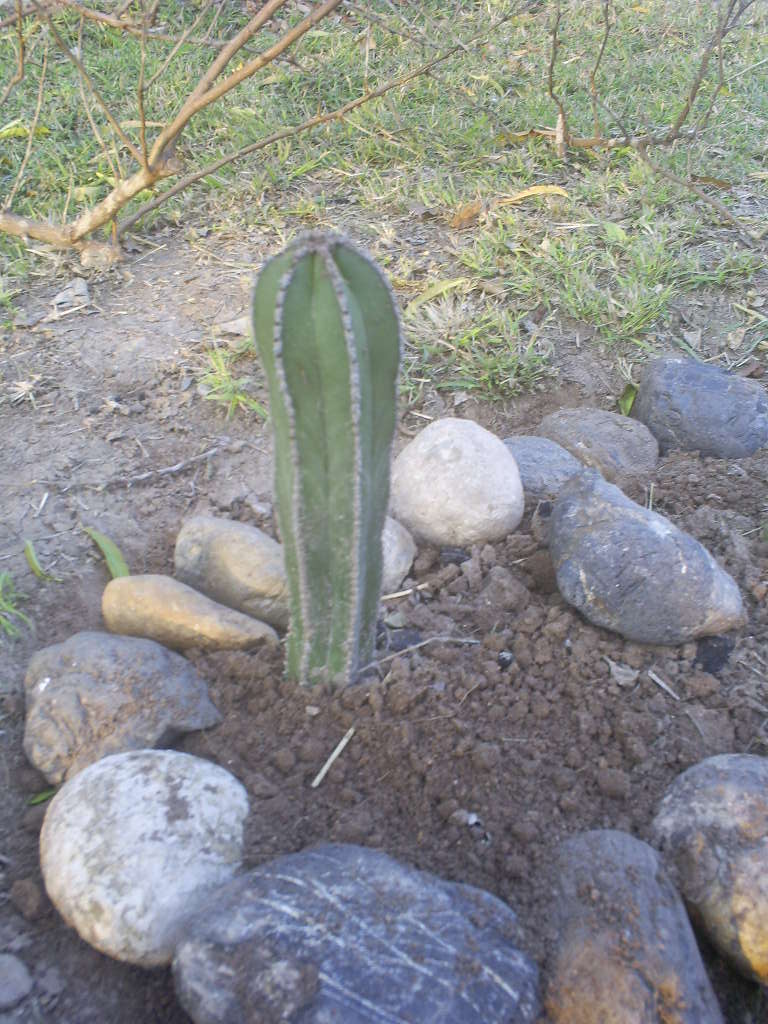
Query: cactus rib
(326, 325)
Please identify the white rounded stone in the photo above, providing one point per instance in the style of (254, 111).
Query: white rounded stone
(398, 553)
(131, 845)
(457, 484)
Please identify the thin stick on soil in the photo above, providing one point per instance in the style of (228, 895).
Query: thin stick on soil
(335, 753)
(415, 647)
(661, 684)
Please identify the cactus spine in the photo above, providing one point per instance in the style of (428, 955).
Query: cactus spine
(326, 326)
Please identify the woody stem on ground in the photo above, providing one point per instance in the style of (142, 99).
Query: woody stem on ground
(160, 161)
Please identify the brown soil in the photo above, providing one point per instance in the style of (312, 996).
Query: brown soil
(471, 756)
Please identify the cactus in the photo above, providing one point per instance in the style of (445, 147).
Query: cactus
(327, 329)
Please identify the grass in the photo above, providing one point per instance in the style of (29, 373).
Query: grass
(219, 384)
(613, 253)
(11, 616)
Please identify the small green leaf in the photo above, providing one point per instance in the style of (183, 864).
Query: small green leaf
(627, 399)
(32, 561)
(615, 233)
(433, 291)
(112, 554)
(42, 796)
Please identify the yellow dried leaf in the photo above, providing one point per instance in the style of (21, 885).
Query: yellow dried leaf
(466, 215)
(534, 190)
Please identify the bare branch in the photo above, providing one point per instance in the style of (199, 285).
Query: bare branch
(721, 208)
(31, 136)
(608, 25)
(94, 91)
(19, 73)
(87, 107)
(206, 92)
(313, 122)
(140, 90)
(561, 134)
(183, 38)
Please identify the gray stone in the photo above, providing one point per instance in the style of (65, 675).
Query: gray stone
(623, 450)
(398, 553)
(237, 565)
(345, 933)
(697, 407)
(133, 844)
(631, 570)
(625, 952)
(456, 484)
(97, 694)
(15, 981)
(712, 829)
(75, 293)
(544, 465)
(163, 609)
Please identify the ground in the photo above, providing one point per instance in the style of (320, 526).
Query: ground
(526, 721)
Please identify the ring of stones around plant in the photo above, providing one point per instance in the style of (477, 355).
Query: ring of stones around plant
(142, 847)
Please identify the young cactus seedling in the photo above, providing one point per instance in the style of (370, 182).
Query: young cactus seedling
(326, 325)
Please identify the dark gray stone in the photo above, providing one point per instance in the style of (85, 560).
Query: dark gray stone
(625, 952)
(544, 465)
(697, 407)
(98, 694)
(623, 450)
(15, 981)
(631, 570)
(347, 934)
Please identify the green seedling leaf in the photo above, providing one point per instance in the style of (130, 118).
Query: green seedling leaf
(627, 399)
(33, 563)
(42, 797)
(112, 554)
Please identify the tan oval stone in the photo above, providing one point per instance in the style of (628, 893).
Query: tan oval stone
(160, 608)
(712, 827)
(236, 564)
(625, 951)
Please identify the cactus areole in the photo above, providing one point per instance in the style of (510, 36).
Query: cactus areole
(327, 329)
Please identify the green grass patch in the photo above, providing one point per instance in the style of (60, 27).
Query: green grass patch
(397, 172)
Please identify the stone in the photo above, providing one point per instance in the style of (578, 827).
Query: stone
(29, 899)
(698, 407)
(75, 293)
(625, 952)
(15, 981)
(131, 846)
(712, 829)
(237, 565)
(398, 553)
(345, 933)
(620, 448)
(456, 484)
(163, 609)
(631, 570)
(96, 694)
(544, 465)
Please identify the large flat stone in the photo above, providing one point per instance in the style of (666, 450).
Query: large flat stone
(98, 694)
(631, 570)
(347, 934)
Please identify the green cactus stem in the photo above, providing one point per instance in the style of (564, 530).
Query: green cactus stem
(327, 329)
